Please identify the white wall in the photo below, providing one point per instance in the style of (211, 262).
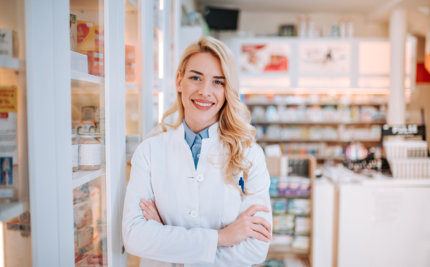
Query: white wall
(269, 22)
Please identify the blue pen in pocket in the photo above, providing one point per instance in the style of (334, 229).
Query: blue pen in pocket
(241, 184)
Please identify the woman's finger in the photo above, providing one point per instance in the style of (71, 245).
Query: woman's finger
(259, 236)
(262, 221)
(254, 208)
(262, 230)
(151, 209)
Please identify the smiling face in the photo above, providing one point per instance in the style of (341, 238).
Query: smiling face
(202, 90)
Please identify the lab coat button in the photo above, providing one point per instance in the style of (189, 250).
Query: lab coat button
(193, 213)
(199, 178)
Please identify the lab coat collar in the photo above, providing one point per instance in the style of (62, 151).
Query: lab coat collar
(213, 133)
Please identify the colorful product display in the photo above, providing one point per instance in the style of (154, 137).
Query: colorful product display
(73, 33)
(289, 186)
(90, 229)
(130, 63)
(283, 224)
(299, 206)
(318, 133)
(86, 31)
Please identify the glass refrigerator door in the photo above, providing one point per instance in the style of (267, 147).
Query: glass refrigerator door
(133, 66)
(14, 196)
(88, 132)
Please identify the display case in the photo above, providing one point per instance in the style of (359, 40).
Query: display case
(15, 239)
(291, 192)
(150, 47)
(319, 123)
(76, 103)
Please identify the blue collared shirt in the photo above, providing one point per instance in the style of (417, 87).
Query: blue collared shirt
(194, 141)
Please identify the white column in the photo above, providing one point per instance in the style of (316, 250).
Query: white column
(396, 104)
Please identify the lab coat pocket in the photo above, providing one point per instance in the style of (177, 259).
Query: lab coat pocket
(232, 201)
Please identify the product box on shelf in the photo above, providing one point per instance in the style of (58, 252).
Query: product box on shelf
(99, 39)
(86, 36)
(89, 113)
(8, 43)
(130, 63)
(96, 63)
(73, 33)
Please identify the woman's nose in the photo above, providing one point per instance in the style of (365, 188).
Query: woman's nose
(205, 88)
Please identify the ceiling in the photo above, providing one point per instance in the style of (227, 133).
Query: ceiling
(298, 5)
(376, 10)
(350, 6)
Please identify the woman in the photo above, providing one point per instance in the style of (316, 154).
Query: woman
(198, 191)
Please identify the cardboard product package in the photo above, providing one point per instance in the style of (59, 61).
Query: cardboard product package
(96, 63)
(130, 63)
(8, 43)
(99, 39)
(85, 36)
(73, 33)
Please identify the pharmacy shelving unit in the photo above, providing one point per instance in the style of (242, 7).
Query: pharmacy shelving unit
(56, 93)
(14, 188)
(322, 147)
(282, 251)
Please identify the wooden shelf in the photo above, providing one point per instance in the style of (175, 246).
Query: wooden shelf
(10, 63)
(330, 158)
(132, 88)
(335, 141)
(288, 251)
(314, 104)
(289, 196)
(83, 177)
(10, 210)
(332, 123)
(85, 77)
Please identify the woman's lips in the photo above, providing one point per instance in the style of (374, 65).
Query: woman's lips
(202, 104)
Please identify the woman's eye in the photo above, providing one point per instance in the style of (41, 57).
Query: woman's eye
(218, 82)
(195, 78)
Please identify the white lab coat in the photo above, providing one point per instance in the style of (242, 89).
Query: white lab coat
(194, 204)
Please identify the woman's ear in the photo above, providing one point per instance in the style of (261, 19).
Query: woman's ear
(178, 82)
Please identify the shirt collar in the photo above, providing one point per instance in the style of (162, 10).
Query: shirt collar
(190, 136)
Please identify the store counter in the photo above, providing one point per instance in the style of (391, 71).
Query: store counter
(377, 221)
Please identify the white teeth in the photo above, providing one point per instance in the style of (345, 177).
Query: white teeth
(203, 104)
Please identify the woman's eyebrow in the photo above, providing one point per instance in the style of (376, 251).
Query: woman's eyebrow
(196, 72)
(199, 73)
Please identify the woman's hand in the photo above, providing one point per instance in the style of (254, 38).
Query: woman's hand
(245, 226)
(150, 211)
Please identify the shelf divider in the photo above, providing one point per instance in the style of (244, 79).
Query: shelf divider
(10, 63)
(85, 77)
(10, 210)
(83, 177)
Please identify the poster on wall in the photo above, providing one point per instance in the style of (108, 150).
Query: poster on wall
(261, 58)
(324, 58)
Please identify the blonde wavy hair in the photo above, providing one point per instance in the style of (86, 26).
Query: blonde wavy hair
(235, 131)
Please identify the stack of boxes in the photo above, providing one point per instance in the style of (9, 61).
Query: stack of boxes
(408, 158)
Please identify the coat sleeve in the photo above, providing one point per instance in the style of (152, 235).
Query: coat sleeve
(252, 251)
(152, 240)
